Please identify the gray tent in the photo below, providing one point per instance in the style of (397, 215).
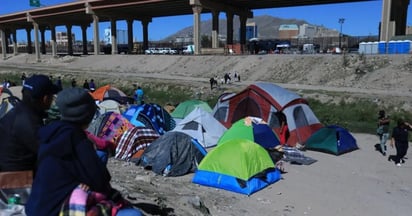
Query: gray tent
(173, 154)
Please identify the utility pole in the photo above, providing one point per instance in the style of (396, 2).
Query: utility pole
(341, 21)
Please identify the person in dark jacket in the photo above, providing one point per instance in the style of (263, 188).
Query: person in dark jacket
(400, 139)
(67, 158)
(18, 128)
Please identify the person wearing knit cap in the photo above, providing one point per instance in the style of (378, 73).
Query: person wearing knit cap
(18, 128)
(67, 160)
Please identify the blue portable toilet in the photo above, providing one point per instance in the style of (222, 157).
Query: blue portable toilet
(382, 47)
(392, 47)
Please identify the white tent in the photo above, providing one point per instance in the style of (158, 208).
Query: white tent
(202, 126)
(109, 106)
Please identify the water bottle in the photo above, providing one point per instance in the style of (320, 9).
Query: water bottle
(13, 200)
(166, 171)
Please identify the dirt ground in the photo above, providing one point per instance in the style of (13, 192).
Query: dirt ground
(357, 183)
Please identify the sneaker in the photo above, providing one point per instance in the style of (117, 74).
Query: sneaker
(398, 165)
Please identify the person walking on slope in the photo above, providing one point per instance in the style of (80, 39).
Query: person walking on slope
(400, 139)
(383, 130)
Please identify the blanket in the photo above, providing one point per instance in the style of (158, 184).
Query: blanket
(89, 203)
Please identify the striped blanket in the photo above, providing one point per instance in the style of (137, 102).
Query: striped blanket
(134, 140)
(89, 203)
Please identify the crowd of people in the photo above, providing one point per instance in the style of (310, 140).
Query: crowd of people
(226, 79)
(58, 157)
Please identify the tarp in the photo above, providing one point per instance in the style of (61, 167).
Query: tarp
(202, 126)
(332, 139)
(237, 165)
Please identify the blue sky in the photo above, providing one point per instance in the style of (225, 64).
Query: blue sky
(361, 18)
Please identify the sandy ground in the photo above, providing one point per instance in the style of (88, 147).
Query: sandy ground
(361, 182)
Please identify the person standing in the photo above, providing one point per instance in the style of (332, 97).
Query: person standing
(74, 83)
(383, 130)
(59, 83)
(139, 95)
(86, 85)
(400, 139)
(18, 128)
(68, 164)
(92, 86)
(23, 78)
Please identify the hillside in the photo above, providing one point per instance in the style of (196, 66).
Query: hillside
(268, 27)
(385, 79)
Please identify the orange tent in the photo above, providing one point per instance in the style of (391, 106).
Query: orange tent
(108, 92)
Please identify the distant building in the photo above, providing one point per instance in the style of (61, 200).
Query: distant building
(287, 31)
(307, 31)
(251, 31)
(121, 36)
(184, 39)
(62, 39)
(408, 30)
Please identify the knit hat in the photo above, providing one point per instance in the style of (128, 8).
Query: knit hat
(76, 105)
(39, 86)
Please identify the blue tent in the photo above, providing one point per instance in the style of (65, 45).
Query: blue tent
(150, 115)
(332, 139)
(237, 165)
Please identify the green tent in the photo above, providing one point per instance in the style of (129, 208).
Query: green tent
(251, 128)
(184, 108)
(238, 165)
(332, 139)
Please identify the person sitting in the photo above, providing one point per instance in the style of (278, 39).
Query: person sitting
(18, 134)
(18, 128)
(68, 166)
(284, 129)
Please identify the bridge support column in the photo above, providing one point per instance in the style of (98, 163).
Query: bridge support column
(130, 34)
(29, 44)
(53, 42)
(215, 29)
(229, 26)
(3, 44)
(197, 10)
(113, 29)
(84, 38)
(96, 42)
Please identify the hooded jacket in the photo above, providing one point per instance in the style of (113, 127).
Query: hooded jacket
(19, 140)
(66, 158)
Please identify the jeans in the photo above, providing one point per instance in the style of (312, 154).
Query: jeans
(129, 212)
(384, 137)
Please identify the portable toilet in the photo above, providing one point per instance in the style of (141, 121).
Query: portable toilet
(374, 48)
(382, 47)
(405, 46)
(392, 47)
(362, 48)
